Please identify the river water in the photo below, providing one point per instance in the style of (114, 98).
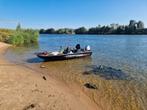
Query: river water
(127, 53)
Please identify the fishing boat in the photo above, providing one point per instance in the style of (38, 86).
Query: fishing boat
(54, 56)
(66, 54)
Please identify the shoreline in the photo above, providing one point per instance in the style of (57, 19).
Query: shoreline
(22, 89)
(100, 34)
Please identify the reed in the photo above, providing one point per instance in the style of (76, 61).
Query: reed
(19, 37)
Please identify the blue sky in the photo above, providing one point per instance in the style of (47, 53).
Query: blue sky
(70, 13)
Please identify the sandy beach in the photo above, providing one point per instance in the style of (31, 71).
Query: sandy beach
(24, 89)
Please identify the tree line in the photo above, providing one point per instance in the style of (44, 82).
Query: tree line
(131, 29)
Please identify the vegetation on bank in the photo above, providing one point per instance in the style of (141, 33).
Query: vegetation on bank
(19, 36)
(131, 29)
(4, 34)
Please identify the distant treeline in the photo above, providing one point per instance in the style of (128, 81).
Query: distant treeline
(132, 29)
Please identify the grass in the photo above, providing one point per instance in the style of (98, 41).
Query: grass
(19, 37)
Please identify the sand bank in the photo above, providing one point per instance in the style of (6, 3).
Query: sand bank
(25, 89)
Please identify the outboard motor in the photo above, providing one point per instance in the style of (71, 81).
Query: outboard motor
(87, 48)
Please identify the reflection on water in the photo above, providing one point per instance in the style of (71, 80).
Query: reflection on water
(127, 53)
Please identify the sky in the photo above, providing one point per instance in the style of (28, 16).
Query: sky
(70, 13)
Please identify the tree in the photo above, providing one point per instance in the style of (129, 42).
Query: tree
(81, 30)
(94, 30)
(42, 31)
(50, 31)
(18, 27)
(65, 31)
(119, 30)
(60, 31)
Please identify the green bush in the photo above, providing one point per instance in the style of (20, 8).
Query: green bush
(23, 37)
(16, 39)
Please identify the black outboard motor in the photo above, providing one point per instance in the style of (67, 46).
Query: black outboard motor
(78, 46)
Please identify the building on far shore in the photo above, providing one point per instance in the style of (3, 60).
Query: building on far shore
(137, 25)
(140, 25)
(133, 23)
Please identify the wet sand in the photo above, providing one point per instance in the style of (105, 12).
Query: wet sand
(112, 93)
(22, 88)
